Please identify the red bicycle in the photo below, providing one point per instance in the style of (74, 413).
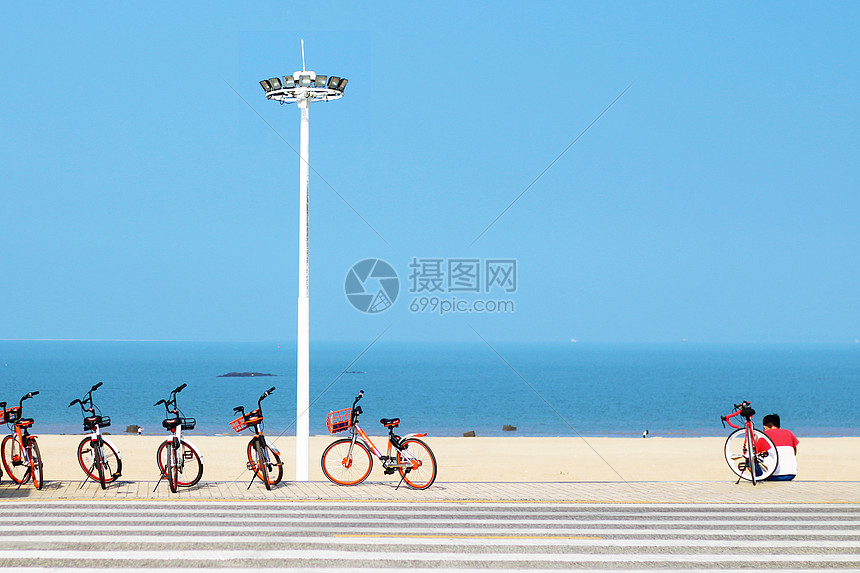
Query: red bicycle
(749, 452)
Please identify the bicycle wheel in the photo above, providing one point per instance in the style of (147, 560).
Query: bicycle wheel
(110, 460)
(271, 471)
(422, 474)
(35, 462)
(737, 455)
(344, 469)
(189, 467)
(13, 459)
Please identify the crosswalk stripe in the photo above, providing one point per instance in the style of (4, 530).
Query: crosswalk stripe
(268, 511)
(400, 557)
(346, 520)
(440, 539)
(401, 529)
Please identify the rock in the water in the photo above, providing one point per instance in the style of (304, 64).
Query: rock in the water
(244, 374)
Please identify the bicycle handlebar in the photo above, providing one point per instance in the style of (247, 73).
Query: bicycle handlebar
(88, 399)
(739, 410)
(26, 396)
(263, 397)
(172, 401)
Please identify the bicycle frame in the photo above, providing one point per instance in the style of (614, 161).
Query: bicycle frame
(388, 461)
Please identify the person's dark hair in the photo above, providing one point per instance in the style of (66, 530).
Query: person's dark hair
(771, 420)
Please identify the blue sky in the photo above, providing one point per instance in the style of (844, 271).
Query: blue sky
(716, 200)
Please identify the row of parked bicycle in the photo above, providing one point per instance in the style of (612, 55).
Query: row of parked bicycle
(346, 461)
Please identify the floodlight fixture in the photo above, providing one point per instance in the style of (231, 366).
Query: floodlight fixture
(304, 85)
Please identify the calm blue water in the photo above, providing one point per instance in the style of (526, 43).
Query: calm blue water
(447, 389)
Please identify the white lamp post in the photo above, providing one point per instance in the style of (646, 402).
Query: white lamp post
(303, 88)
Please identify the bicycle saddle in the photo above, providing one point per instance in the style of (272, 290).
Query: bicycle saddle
(26, 422)
(171, 423)
(390, 422)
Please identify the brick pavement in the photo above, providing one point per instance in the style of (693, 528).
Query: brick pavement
(602, 492)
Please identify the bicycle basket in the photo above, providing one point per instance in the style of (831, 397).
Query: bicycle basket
(13, 414)
(188, 423)
(338, 421)
(238, 424)
(102, 421)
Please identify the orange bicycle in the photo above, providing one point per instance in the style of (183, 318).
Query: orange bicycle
(20, 452)
(264, 460)
(348, 462)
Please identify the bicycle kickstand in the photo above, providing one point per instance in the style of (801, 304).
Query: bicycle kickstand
(158, 482)
(253, 477)
(402, 477)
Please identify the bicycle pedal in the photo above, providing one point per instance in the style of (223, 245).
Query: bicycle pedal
(188, 455)
(115, 475)
(389, 471)
(251, 466)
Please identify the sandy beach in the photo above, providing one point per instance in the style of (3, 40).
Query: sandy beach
(507, 459)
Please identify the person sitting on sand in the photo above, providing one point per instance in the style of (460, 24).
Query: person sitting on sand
(786, 447)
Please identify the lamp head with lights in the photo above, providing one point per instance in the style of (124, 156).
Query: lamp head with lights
(304, 85)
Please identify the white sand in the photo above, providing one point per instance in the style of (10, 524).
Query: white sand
(508, 459)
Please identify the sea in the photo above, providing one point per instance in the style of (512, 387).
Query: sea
(445, 389)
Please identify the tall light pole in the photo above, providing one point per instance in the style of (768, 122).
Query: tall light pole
(303, 88)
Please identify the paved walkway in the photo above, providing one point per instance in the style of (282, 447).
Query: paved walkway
(611, 492)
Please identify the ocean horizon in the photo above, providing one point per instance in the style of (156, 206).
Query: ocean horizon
(446, 389)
